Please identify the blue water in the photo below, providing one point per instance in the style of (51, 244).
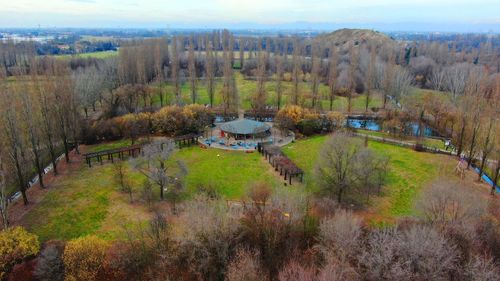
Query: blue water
(376, 125)
(487, 179)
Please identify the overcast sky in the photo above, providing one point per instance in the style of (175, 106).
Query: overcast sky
(482, 15)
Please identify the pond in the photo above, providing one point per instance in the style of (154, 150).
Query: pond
(376, 125)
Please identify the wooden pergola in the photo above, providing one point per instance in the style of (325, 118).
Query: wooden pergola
(282, 163)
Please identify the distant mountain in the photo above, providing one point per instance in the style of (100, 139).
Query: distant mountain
(348, 37)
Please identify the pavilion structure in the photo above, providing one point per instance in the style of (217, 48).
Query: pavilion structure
(243, 129)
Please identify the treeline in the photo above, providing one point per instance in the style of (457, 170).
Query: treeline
(39, 120)
(279, 236)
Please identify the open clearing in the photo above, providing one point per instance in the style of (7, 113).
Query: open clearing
(409, 172)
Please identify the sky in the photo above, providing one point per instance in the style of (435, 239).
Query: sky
(392, 15)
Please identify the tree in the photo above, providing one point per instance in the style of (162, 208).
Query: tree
(339, 170)
(4, 196)
(32, 128)
(279, 80)
(244, 267)
(121, 178)
(152, 163)
(15, 142)
(210, 71)
(340, 236)
(449, 204)
(353, 67)
(175, 75)
(192, 69)
(229, 93)
(370, 76)
(16, 245)
(296, 71)
(259, 98)
(84, 258)
(332, 74)
(315, 72)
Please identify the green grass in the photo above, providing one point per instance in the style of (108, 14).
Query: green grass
(109, 145)
(247, 88)
(97, 55)
(429, 142)
(409, 172)
(88, 201)
(230, 172)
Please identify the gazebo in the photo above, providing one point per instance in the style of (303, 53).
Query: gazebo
(245, 128)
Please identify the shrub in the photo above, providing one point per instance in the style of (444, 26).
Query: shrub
(84, 258)
(244, 267)
(340, 235)
(16, 245)
(50, 266)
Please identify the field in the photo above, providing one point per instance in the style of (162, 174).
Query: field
(409, 172)
(247, 88)
(97, 55)
(87, 200)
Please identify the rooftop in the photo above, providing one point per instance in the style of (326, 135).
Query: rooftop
(244, 127)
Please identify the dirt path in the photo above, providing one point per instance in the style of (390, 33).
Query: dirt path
(35, 194)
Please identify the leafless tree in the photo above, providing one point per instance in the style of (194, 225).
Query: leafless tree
(210, 71)
(279, 80)
(152, 163)
(332, 74)
(32, 127)
(338, 168)
(296, 71)
(315, 72)
(370, 76)
(4, 197)
(175, 69)
(340, 236)
(447, 203)
(15, 142)
(244, 267)
(192, 70)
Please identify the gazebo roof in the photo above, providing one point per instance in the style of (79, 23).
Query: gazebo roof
(244, 127)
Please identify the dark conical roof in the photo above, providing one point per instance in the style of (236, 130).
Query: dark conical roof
(244, 127)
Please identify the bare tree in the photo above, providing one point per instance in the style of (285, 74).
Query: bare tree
(259, 99)
(370, 76)
(296, 71)
(192, 69)
(15, 143)
(447, 203)
(152, 163)
(279, 80)
(332, 74)
(338, 168)
(4, 197)
(210, 71)
(315, 69)
(340, 236)
(175, 69)
(30, 116)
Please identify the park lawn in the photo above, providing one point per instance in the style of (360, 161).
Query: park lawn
(230, 172)
(88, 201)
(409, 172)
(110, 145)
(429, 142)
(85, 201)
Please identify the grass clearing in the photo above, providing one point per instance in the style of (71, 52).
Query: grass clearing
(409, 172)
(87, 200)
